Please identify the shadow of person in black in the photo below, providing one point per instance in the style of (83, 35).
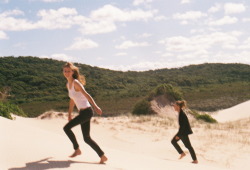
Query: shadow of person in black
(48, 164)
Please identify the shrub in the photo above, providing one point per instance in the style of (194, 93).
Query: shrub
(142, 107)
(193, 112)
(7, 108)
(206, 118)
(164, 89)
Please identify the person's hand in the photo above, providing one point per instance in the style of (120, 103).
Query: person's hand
(98, 110)
(177, 138)
(69, 117)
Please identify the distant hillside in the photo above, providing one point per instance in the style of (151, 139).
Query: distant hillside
(37, 85)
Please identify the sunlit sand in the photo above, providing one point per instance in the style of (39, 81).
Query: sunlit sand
(129, 142)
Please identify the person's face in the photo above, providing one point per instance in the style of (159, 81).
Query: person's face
(67, 72)
(176, 107)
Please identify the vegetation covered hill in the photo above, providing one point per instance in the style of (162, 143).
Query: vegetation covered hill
(38, 85)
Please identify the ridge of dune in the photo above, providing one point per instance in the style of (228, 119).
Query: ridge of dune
(237, 112)
(53, 114)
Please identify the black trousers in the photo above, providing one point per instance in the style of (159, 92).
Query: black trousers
(83, 119)
(186, 142)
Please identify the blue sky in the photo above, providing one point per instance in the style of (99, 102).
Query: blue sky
(127, 34)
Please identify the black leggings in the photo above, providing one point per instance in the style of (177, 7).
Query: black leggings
(186, 141)
(83, 118)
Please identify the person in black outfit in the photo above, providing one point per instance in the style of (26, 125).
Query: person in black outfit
(184, 131)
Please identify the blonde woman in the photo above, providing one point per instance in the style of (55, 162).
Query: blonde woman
(184, 131)
(83, 101)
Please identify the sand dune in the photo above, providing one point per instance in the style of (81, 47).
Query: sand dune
(130, 143)
(234, 113)
(161, 106)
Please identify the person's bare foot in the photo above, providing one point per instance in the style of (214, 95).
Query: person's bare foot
(77, 152)
(182, 155)
(103, 159)
(195, 162)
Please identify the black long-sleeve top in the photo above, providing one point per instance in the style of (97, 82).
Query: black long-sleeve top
(185, 128)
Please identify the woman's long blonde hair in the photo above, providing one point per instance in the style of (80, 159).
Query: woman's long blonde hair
(76, 75)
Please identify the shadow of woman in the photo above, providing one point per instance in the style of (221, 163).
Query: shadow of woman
(47, 164)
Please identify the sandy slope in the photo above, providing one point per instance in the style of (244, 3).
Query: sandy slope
(234, 113)
(130, 143)
(35, 144)
(162, 106)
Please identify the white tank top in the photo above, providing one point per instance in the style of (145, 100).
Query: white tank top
(80, 100)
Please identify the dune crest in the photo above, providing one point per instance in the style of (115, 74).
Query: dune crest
(54, 114)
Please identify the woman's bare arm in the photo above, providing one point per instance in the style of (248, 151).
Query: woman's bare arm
(89, 98)
(71, 107)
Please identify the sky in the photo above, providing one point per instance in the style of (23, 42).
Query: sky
(136, 35)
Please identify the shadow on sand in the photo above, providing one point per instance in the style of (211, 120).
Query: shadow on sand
(49, 164)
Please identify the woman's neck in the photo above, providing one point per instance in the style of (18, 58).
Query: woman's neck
(179, 109)
(70, 80)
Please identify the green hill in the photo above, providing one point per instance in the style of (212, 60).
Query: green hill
(38, 85)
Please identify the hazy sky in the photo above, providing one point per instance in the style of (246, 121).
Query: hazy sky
(127, 34)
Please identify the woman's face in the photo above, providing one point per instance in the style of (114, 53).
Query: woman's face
(67, 72)
(176, 107)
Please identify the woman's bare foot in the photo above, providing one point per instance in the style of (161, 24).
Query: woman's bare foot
(103, 159)
(182, 155)
(195, 162)
(77, 152)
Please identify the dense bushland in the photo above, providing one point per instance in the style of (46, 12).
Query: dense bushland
(37, 85)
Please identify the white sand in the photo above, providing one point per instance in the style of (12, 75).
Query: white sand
(130, 143)
(234, 113)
